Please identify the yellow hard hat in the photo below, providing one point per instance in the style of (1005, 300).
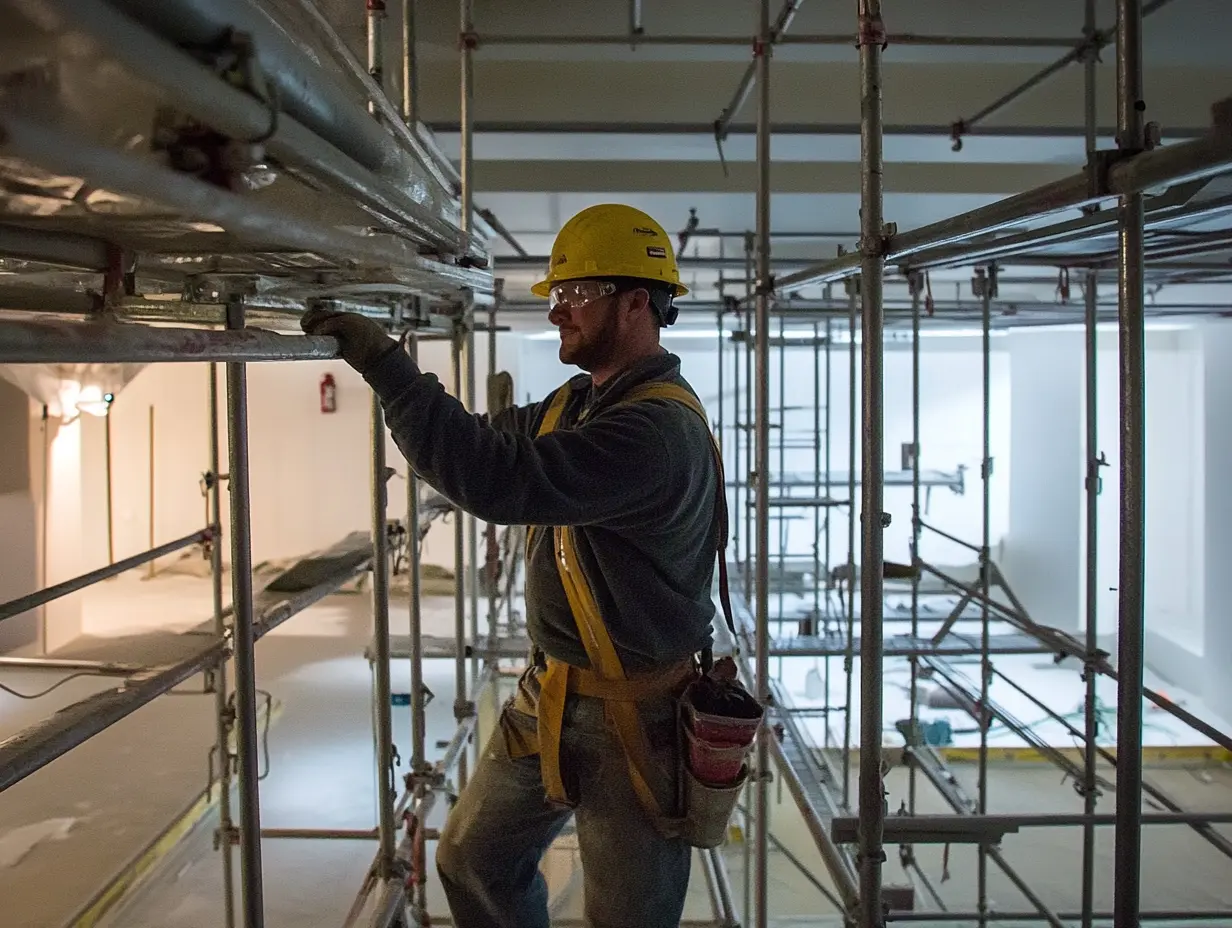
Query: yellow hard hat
(612, 240)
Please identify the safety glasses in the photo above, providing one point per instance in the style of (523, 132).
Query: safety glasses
(574, 294)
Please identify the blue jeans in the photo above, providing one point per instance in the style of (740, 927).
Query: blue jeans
(489, 851)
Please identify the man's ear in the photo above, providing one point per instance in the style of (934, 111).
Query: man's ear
(639, 298)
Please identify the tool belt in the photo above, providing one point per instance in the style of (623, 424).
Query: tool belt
(703, 808)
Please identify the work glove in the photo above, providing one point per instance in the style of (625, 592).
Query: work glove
(361, 340)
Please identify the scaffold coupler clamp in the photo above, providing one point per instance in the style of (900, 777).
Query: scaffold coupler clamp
(872, 28)
(877, 246)
(958, 129)
(463, 709)
(423, 780)
(984, 283)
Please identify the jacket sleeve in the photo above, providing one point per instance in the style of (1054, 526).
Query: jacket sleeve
(613, 469)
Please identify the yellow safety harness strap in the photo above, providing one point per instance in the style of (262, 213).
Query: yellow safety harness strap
(606, 678)
(551, 419)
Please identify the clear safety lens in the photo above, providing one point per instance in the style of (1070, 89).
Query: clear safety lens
(574, 294)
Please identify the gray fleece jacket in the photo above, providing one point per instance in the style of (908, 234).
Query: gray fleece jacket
(637, 482)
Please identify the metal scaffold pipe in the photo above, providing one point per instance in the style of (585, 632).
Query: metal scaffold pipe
(381, 647)
(986, 294)
(762, 443)
(56, 342)
(917, 285)
(466, 45)
(410, 65)
(418, 735)
(752, 73)
(459, 580)
(244, 637)
(850, 624)
(223, 716)
(870, 39)
(1131, 137)
(1090, 791)
(720, 41)
(1092, 42)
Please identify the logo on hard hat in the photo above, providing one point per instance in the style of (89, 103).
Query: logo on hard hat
(656, 251)
(637, 230)
(559, 260)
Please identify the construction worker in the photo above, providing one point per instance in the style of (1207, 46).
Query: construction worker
(620, 498)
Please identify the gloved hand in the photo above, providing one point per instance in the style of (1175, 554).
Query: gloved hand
(362, 341)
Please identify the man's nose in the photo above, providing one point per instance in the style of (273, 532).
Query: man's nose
(557, 315)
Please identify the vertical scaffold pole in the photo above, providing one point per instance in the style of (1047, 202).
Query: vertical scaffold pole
(988, 283)
(461, 704)
(1091, 489)
(826, 625)
(849, 656)
(410, 69)
(872, 39)
(221, 707)
(244, 636)
(413, 552)
(916, 284)
(749, 425)
(761, 51)
(464, 529)
(1131, 136)
(383, 707)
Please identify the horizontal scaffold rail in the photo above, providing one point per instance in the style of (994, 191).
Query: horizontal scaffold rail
(105, 342)
(1202, 157)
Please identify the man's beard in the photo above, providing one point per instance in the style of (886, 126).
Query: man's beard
(595, 349)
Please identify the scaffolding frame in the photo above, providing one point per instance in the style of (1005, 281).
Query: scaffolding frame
(965, 240)
(267, 242)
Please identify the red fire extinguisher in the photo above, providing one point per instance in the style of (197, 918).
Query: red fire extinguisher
(329, 394)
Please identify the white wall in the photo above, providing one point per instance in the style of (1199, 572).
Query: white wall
(950, 427)
(1046, 547)
(19, 539)
(1216, 456)
(1174, 565)
(309, 471)
(1042, 558)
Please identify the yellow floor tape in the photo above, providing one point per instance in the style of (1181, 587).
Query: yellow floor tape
(111, 894)
(1170, 754)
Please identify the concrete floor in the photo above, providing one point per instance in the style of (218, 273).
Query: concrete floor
(69, 828)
